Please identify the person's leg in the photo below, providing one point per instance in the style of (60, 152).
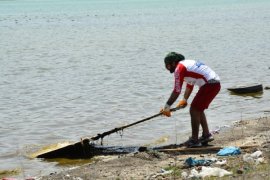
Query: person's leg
(195, 125)
(204, 124)
(206, 135)
(195, 122)
(201, 102)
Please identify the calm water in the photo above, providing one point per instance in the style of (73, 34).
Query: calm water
(71, 69)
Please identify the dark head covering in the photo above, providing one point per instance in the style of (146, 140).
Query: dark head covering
(173, 57)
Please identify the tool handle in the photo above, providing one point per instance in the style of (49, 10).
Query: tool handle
(98, 136)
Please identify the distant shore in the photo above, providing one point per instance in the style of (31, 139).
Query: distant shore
(153, 165)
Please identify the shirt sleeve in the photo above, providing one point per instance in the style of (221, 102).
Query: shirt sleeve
(179, 75)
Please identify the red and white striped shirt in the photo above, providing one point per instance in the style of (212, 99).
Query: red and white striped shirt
(193, 73)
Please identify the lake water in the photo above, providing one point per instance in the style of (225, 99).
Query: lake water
(71, 69)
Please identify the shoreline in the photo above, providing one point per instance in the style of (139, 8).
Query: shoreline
(152, 164)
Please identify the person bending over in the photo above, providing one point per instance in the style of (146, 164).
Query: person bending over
(193, 72)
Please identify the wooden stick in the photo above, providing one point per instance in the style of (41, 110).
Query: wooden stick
(83, 148)
(98, 136)
(205, 148)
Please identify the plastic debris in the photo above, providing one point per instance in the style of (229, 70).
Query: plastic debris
(219, 128)
(77, 178)
(194, 174)
(162, 173)
(194, 162)
(222, 162)
(209, 171)
(256, 154)
(248, 158)
(184, 175)
(254, 158)
(229, 151)
(259, 161)
(213, 159)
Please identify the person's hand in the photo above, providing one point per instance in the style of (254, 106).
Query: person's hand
(166, 111)
(182, 103)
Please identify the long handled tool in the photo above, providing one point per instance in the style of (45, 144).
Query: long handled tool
(126, 126)
(85, 149)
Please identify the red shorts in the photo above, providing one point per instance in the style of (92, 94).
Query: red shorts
(205, 96)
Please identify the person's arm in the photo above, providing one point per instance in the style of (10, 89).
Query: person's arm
(166, 110)
(172, 98)
(178, 81)
(188, 91)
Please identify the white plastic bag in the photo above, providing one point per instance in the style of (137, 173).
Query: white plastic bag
(208, 171)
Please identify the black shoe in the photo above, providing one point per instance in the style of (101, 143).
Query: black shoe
(206, 139)
(192, 143)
